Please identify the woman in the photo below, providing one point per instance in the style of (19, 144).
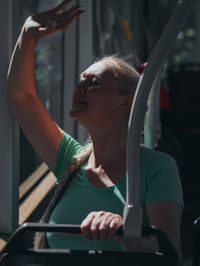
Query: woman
(101, 103)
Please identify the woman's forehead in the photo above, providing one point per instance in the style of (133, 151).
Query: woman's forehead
(97, 69)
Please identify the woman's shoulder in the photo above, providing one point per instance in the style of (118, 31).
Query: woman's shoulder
(68, 148)
(152, 155)
(154, 161)
(69, 141)
(160, 177)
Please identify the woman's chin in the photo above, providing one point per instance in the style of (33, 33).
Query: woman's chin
(76, 112)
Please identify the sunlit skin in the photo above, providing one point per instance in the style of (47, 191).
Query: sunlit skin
(101, 109)
(104, 111)
(97, 99)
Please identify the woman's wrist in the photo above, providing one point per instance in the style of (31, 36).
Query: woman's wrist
(26, 34)
(25, 42)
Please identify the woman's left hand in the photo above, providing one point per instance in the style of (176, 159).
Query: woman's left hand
(101, 225)
(50, 21)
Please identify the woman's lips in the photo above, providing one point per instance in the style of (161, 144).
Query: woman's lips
(81, 101)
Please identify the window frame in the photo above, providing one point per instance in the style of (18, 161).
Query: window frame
(9, 134)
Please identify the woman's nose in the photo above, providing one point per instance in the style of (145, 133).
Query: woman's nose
(81, 87)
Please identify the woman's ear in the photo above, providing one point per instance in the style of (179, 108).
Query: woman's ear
(126, 103)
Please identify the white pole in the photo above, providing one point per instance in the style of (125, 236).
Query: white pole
(133, 210)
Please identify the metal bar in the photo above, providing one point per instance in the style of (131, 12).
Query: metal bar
(16, 240)
(9, 152)
(133, 210)
(196, 242)
(151, 124)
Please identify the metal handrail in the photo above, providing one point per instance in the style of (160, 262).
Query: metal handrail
(133, 210)
(152, 122)
(16, 241)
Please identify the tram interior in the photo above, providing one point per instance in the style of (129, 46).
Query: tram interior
(129, 29)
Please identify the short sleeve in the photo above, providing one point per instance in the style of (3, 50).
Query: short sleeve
(164, 182)
(67, 149)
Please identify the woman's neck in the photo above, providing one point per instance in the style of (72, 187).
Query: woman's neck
(109, 144)
(107, 164)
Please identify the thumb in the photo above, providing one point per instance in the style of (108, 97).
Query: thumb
(46, 28)
(43, 31)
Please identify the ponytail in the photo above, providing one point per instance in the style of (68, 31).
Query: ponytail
(79, 159)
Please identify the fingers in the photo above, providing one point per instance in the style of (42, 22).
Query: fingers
(69, 12)
(60, 21)
(101, 225)
(61, 6)
(104, 228)
(86, 224)
(64, 21)
(115, 225)
(50, 21)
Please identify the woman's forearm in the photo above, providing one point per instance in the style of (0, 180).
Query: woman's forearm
(21, 78)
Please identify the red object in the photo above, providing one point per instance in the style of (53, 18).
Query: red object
(164, 98)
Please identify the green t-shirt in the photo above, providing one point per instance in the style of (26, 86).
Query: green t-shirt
(160, 181)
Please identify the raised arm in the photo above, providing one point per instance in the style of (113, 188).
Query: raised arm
(41, 131)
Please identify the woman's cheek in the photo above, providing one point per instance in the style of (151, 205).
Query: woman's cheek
(91, 88)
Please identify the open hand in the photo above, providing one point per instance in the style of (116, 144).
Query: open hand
(101, 225)
(47, 22)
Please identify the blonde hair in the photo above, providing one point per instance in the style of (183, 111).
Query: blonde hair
(128, 78)
(127, 75)
(81, 156)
